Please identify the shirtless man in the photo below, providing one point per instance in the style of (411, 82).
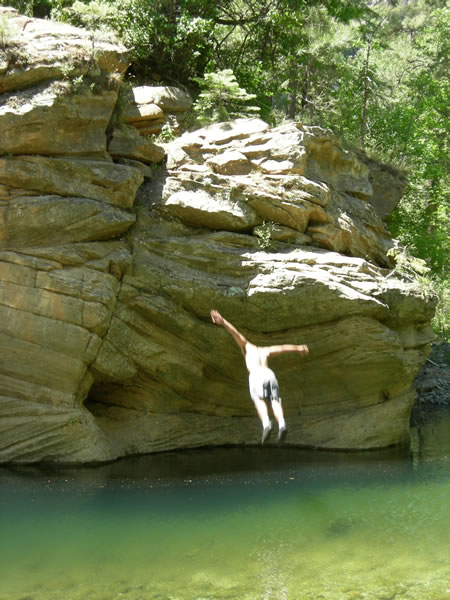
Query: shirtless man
(262, 381)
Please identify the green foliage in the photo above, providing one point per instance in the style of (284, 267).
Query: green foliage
(428, 285)
(422, 219)
(6, 34)
(94, 15)
(31, 8)
(441, 320)
(11, 46)
(386, 87)
(167, 133)
(168, 39)
(271, 46)
(264, 234)
(70, 85)
(77, 84)
(407, 265)
(221, 98)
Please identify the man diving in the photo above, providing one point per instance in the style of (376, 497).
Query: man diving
(263, 384)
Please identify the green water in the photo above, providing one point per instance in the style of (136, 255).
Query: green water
(233, 524)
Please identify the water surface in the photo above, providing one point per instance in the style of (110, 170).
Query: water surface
(251, 523)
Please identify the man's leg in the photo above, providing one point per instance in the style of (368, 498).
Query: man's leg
(258, 390)
(279, 416)
(263, 414)
(277, 409)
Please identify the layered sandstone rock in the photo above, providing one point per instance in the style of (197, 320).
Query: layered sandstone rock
(106, 282)
(294, 176)
(149, 108)
(64, 207)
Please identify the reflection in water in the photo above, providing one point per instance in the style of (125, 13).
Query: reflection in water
(232, 523)
(430, 442)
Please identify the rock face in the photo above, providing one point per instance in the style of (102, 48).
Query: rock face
(150, 107)
(109, 268)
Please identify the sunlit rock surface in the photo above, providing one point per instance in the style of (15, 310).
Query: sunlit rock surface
(109, 268)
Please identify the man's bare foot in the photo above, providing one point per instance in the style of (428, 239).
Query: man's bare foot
(282, 433)
(266, 433)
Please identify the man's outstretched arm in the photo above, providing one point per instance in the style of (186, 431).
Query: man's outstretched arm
(282, 348)
(240, 340)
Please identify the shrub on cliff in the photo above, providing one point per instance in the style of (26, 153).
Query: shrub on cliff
(221, 98)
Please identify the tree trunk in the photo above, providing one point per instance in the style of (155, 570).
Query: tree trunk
(305, 90)
(363, 124)
(292, 108)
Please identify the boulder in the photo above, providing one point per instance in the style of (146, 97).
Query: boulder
(103, 181)
(42, 121)
(198, 208)
(388, 184)
(329, 162)
(147, 112)
(149, 108)
(170, 99)
(295, 176)
(50, 219)
(230, 163)
(38, 50)
(127, 143)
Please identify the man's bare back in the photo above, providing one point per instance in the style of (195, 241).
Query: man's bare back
(255, 356)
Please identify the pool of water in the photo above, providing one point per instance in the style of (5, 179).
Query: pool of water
(249, 523)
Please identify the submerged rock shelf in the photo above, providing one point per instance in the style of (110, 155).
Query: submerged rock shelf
(109, 268)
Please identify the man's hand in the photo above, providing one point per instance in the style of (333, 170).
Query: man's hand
(303, 349)
(216, 317)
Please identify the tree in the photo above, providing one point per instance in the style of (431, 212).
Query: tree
(267, 44)
(221, 98)
(425, 147)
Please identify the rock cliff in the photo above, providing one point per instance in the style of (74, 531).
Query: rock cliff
(114, 249)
